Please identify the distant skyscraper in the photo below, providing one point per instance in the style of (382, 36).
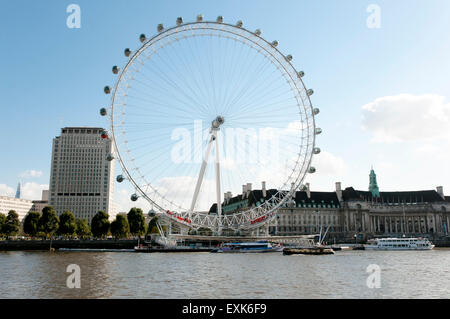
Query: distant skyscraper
(81, 177)
(373, 186)
(18, 190)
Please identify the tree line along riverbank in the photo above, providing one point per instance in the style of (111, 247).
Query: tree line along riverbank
(49, 225)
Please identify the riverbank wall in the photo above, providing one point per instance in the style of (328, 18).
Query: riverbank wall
(11, 245)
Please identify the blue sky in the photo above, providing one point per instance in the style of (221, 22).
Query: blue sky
(53, 76)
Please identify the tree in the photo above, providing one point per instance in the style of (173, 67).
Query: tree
(152, 228)
(12, 224)
(120, 227)
(136, 220)
(82, 229)
(67, 224)
(31, 223)
(49, 222)
(2, 223)
(100, 224)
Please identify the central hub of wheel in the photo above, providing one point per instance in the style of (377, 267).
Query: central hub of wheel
(219, 120)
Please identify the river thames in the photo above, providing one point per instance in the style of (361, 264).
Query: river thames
(405, 274)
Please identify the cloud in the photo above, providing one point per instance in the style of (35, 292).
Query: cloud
(30, 174)
(407, 117)
(33, 191)
(329, 164)
(5, 190)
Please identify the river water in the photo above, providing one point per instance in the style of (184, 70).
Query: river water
(407, 274)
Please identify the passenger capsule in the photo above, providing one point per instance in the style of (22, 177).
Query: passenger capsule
(199, 18)
(301, 74)
(310, 92)
(142, 38)
(134, 197)
(239, 24)
(115, 69)
(104, 134)
(109, 157)
(274, 43)
(151, 213)
(120, 178)
(318, 131)
(316, 150)
(127, 52)
(107, 90)
(219, 19)
(160, 27)
(179, 21)
(103, 111)
(316, 111)
(258, 32)
(312, 170)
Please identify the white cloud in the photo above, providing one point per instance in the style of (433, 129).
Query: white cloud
(407, 117)
(329, 164)
(30, 174)
(32, 190)
(5, 190)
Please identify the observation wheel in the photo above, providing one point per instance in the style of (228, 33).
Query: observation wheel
(211, 124)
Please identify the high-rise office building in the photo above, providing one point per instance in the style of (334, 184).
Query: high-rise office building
(81, 177)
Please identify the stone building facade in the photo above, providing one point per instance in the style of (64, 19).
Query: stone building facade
(350, 214)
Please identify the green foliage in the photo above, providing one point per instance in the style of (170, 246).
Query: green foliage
(120, 227)
(82, 229)
(12, 224)
(2, 223)
(100, 224)
(152, 229)
(31, 223)
(49, 222)
(67, 224)
(136, 220)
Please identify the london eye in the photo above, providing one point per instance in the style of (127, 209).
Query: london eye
(203, 110)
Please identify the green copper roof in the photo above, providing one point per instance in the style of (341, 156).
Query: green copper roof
(373, 186)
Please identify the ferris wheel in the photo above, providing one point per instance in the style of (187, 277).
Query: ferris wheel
(204, 108)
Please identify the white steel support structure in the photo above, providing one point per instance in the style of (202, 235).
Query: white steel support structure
(215, 126)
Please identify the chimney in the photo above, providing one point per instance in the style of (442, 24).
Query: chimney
(308, 192)
(249, 188)
(225, 198)
(339, 191)
(440, 191)
(244, 191)
(264, 191)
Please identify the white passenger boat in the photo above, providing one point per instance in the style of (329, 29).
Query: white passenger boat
(248, 247)
(400, 244)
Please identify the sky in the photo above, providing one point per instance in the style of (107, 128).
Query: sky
(383, 91)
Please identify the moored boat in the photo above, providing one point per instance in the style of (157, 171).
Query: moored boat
(248, 247)
(317, 250)
(400, 244)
